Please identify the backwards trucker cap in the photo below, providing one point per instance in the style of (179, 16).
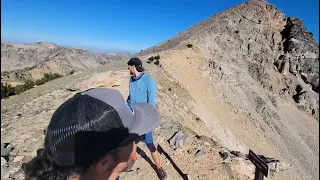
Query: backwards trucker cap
(137, 63)
(93, 123)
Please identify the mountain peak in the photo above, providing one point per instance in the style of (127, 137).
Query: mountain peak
(44, 44)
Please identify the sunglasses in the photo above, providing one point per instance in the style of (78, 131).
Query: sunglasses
(126, 142)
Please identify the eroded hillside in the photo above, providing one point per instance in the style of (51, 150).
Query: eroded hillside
(31, 61)
(256, 73)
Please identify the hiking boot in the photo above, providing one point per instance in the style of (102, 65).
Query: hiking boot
(161, 174)
(130, 165)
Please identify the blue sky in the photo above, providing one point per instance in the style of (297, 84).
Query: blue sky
(119, 25)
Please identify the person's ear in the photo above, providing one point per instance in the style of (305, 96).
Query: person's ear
(74, 177)
(105, 164)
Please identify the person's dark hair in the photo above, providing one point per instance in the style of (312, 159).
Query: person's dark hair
(136, 62)
(42, 167)
(140, 68)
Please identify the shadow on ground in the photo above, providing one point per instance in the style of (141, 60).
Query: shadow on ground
(161, 151)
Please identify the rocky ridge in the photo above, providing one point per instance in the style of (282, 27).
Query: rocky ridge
(238, 87)
(189, 154)
(257, 72)
(257, 36)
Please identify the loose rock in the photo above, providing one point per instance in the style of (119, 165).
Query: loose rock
(225, 156)
(18, 159)
(131, 173)
(279, 166)
(200, 154)
(3, 161)
(5, 152)
(72, 89)
(179, 139)
(238, 154)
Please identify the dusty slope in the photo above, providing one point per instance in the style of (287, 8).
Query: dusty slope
(31, 61)
(32, 110)
(37, 105)
(245, 72)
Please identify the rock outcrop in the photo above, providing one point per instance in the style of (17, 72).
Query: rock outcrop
(257, 36)
(252, 68)
(302, 52)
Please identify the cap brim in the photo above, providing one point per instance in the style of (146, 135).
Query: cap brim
(147, 118)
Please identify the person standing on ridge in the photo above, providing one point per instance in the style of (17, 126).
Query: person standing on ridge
(143, 89)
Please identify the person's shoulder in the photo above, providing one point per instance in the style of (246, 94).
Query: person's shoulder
(148, 77)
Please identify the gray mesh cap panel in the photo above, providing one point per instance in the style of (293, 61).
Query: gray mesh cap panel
(115, 99)
(143, 119)
(81, 113)
(147, 115)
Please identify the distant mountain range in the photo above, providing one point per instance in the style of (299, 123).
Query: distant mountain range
(31, 61)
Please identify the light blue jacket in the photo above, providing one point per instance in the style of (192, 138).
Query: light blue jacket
(142, 89)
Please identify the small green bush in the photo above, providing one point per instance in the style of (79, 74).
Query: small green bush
(26, 86)
(48, 77)
(189, 45)
(311, 33)
(157, 62)
(39, 82)
(157, 57)
(151, 58)
(7, 90)
(19, 89)
(56, 75)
